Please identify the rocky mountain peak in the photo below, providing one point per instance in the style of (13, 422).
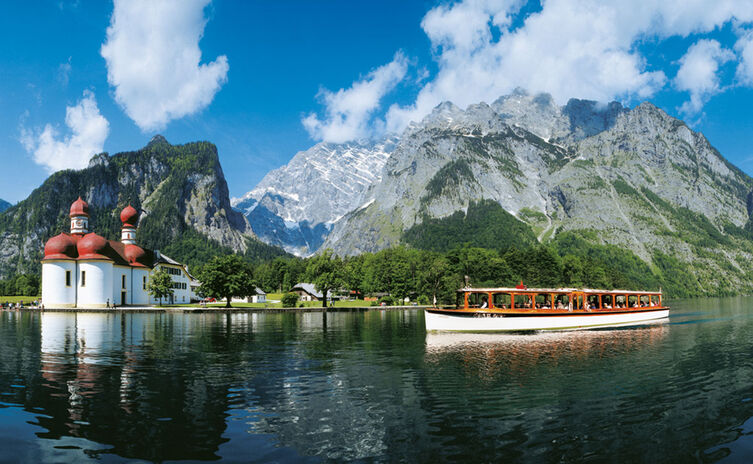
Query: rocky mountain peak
(295, 206)
(588, 117)
(180, 189)
(157, 141)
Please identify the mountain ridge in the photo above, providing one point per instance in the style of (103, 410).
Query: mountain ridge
(180, 191)
(295, 205)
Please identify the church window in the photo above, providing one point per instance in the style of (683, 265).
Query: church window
(67, 278)
(122, 281)
(83, 278)
(143, 284)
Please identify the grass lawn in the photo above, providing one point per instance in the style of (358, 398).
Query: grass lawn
(16, 299)
(273, 301)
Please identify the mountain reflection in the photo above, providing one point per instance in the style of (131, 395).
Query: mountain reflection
(369, 386)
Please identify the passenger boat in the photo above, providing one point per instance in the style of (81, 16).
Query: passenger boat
(521, 308)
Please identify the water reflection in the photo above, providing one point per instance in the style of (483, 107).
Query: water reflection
(310, 386)
(128, 381)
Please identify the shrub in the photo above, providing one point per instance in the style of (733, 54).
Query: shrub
(387, 299)
(289, 300)
(423, 300)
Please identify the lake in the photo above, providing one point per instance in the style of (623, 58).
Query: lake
(373, 386)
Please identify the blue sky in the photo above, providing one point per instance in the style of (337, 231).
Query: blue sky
(265, 79)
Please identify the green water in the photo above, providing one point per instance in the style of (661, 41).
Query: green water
(373, 386)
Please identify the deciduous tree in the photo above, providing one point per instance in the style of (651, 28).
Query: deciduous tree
(160, 284)
(226, 277)
(325, 271)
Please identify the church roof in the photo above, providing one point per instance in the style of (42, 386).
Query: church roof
(93, 246)
(79, 208)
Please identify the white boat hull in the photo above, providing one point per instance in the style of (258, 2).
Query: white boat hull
(485, 322)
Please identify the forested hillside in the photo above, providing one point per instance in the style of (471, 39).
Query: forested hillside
(179, 189)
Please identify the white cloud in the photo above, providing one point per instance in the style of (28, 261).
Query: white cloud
(570, 49)
(88, 128)
(349, 111)
(153, 60)
(744, 47)
(698, 73)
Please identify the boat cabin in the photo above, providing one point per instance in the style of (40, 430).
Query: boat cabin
(562, 299)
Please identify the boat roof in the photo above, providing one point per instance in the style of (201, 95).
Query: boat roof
(554, 290)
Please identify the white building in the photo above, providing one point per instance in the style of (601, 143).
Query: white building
(85, 270)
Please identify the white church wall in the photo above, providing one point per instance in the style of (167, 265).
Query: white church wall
(118, 285)
(140, 295)
(55, 292)
(98, 286)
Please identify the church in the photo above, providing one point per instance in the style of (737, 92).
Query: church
(84, 270)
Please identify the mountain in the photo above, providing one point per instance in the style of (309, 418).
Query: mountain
(4, 205)
(179, 189)
(636, 178)
(295, 206)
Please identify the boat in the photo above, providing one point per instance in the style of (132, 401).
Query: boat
(521, 308)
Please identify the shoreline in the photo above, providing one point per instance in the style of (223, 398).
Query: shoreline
(188, 309)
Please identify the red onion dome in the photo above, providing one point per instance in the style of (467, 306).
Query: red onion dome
(79, 208)
(61, 246)
(129, 216)
(92, 246)
(135, 255)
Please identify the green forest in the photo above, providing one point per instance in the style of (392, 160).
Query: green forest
(488, 245)
(492, 248)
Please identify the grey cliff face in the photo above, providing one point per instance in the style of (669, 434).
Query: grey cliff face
(625, 174)
(295, 206)
(175, 187)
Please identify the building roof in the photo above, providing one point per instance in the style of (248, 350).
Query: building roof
(164, 259)
(92, 246)
(310, 289)
(260, 291)
(79, 208)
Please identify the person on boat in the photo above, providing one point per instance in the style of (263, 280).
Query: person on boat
(560, 305)
(484, 303)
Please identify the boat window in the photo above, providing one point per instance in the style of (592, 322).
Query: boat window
(478, 300)
(645, 299)
(633, 301)
(501, 300)
(607, 301)
(522, 301)
(654, 300)
(592, 302)
(562, 301)
(578, 301)
(543, 301)
(619, 301)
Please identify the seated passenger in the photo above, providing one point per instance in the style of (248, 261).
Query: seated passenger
(483, 304)
(560, 305)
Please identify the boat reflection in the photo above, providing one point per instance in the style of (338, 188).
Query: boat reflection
(488, 355)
